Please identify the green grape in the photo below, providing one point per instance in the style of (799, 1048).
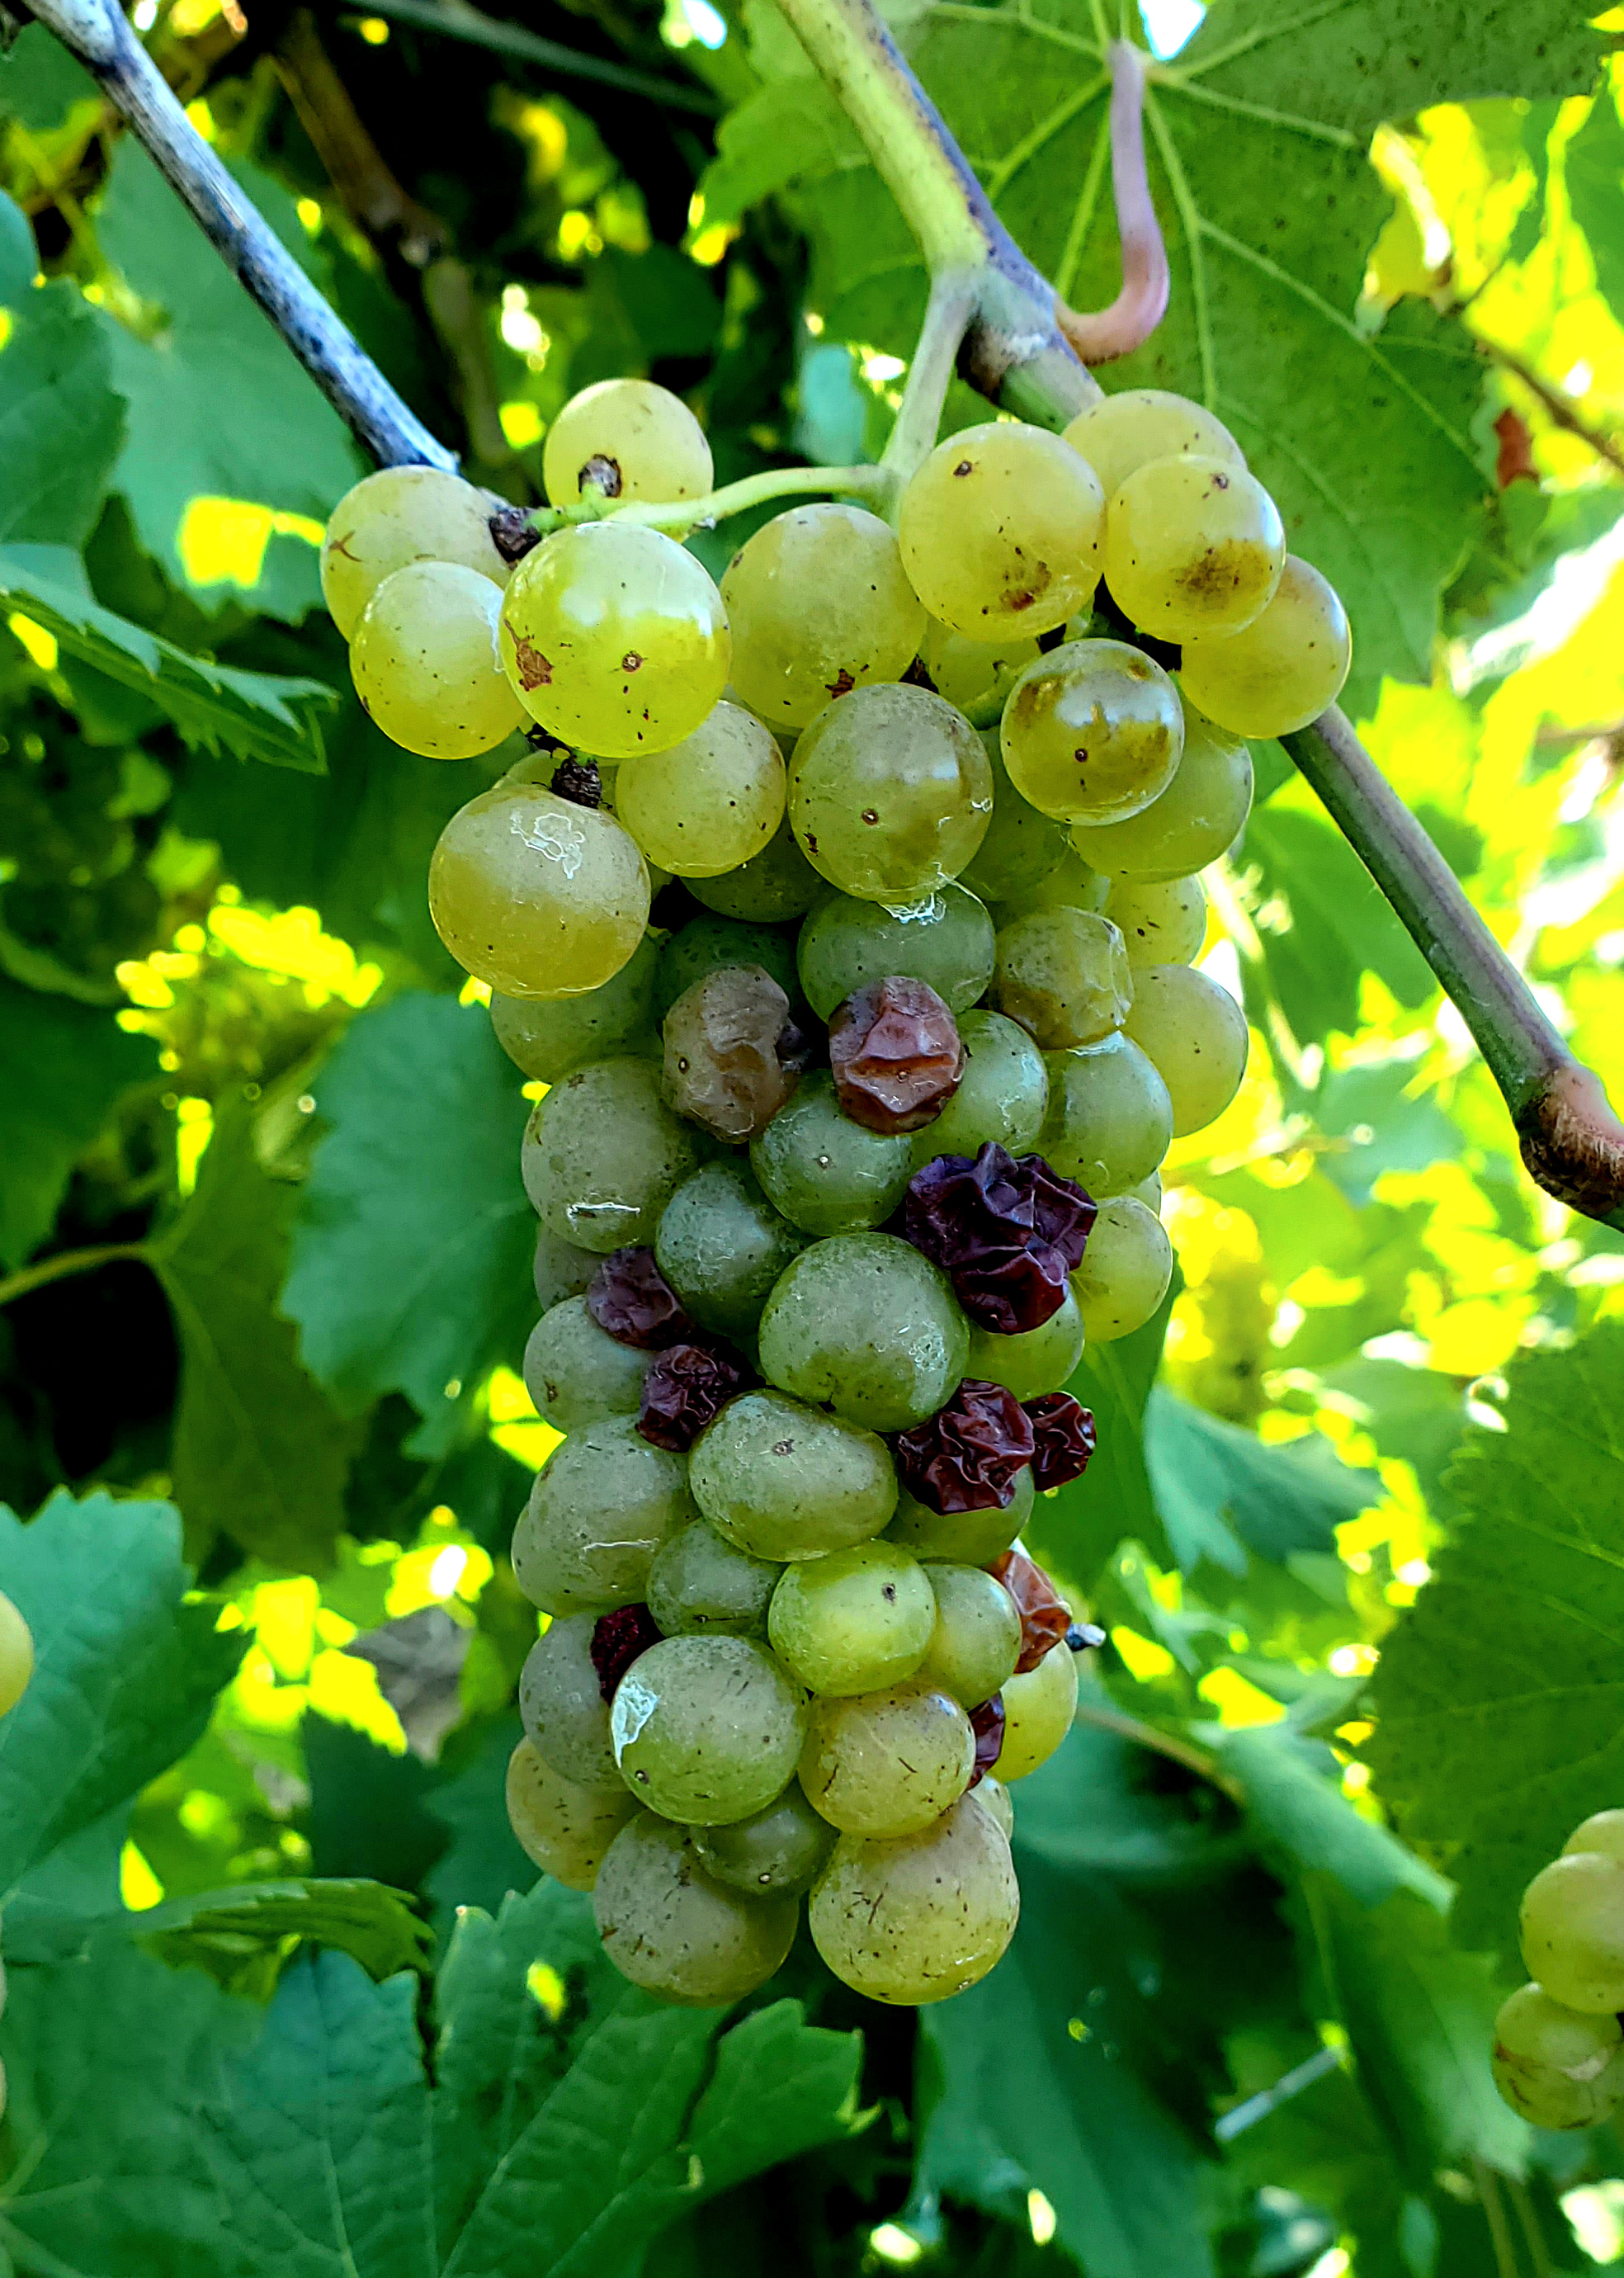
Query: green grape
(1022, 847)
(853, 1621)
(550, 1038)
(772, 887)
(1148, 1191)
(945, 940)
(820, 604)
(1557, 2067)
(1572, 1930)
(1121, 433)
(1125, 1271)
(1071, 885)
(1194, 547)
(1065, 976)
(1162, 924)
(706, 1728)
(977, 1639)
(1033, 1361)
(1110, 1117)
(425, 663)
(825, 1173)
(922, 1917)
(708, 804)
(775, 1853)
(565, 1715)
(786, 1482)
(1602, 1832)
(1093, 732)
(721, 1246)
(707, 942)
(966, 1537)
(1195, 1035)
(397, 517)
(614, 638)
(1000, 531)
(974, 675)
(1038, 1710)
(1003, 1096)
(674, 1930)
(886, 1762)
(603, 1155)
(1283, 670)
(625, 439)
(702, 1585)
(995, 1799)
(602, 1504)
(1198, 817)
(560, 1270)
(564, 1830)
(890, 794)
(867, 1326)
(17, 1653)
(575, 1371)
(535, 896)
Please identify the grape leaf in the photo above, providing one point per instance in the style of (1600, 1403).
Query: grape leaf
(1499, 1696)
(484, 1859)
(1327, 925)
(62, 425)
(78, 1061)
(125, 1671)
(259, 1452)
(1291, 1788)
(1075, 1528)
(411, 1255)
(1593, 171)
(1222, 1491)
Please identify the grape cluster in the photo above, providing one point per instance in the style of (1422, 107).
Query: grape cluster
(1559, 2043)
(840, 1162)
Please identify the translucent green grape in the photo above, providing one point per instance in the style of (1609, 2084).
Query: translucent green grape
(865, 1324)
(564, 1830)
(968, 1538)
(603, 1155)
(702, 1585)
(1003, 1096)
(626, 438)
(560, 1270)
(1093, 732)
(854, 1621)
(674, 1930)
(773, 886)
(1163, 924)
(999, 1805)
(706, 1729)
(565, 1715)
(575, 1373)
(974, 675)
(1603, 1831)
(550, 1038)
(399, 515)
(721, 1246)
(1125, 1270)
(777, 1854)
(946, 940)
(708, 804)
(917, 1919)
(1572, 1931)
(820, 604)
(1557, 2067)
(602, 1504)
(825, 1173)
(1071, 885)
(1111, 1117)
(1198, 817)
(1123, 432)
(785, 1482)
(16, 1656)
(1195, 1035)
(425, 663)
(886, 1762)
(1065, 976)
(1283, 670)
(890, 794)
(536, 896)
(1038, 1710)
(614, 638)
(707, 942)
(1148, 1191)
(1194, 547)
(1022, 847)
(1033, 1361)
(976, 1639)
(1000, 531)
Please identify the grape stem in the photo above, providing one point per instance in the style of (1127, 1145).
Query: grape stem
(1142, 302)
(39, 1276)
(680, 515)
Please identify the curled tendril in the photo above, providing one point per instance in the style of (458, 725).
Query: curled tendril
(1099, 334)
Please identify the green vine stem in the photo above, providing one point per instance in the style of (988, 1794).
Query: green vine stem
(31, 1278)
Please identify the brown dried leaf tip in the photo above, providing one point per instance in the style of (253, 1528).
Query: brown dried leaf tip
(631, 1298)
(968, 1455)
(732, 1054)
(687, 1387)
(896, 1055)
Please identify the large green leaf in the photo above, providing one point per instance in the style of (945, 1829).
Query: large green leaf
(1327, 924)
(77, 1061)
(1499, 1696)
(1223, 1491)
(61, 423)
(1076, 1528)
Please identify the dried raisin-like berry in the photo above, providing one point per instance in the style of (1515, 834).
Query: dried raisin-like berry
(1007, 1233)
(1065, 1433)
(687, 1388)
(630, 1297)
(987, 1722)
(617, 1640)
(732, 1054)
(1046, 1618)
(896, 1056)
(968, 1455)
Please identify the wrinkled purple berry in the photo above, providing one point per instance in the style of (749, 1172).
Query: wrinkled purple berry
(617, 1640)
(687, 1388)
(896, 1056)
(987, 1722)
(1065, 1433)
(968, 1455)
(1045, 1616)
(1007, 1233)
(630, 1297)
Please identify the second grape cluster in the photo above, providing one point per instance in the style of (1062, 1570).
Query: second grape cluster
(1559, 2042)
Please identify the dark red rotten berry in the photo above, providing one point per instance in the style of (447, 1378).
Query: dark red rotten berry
(1006, 1233)
(1064, 1431)
(968, 1455)
(896, 1055)
(987, 1722)
(617, 1640)
(1046, 1618)
(687, 1387)
(630, 1297)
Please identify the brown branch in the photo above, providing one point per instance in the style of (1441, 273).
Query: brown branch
(1099, 334)
(1559, 405)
